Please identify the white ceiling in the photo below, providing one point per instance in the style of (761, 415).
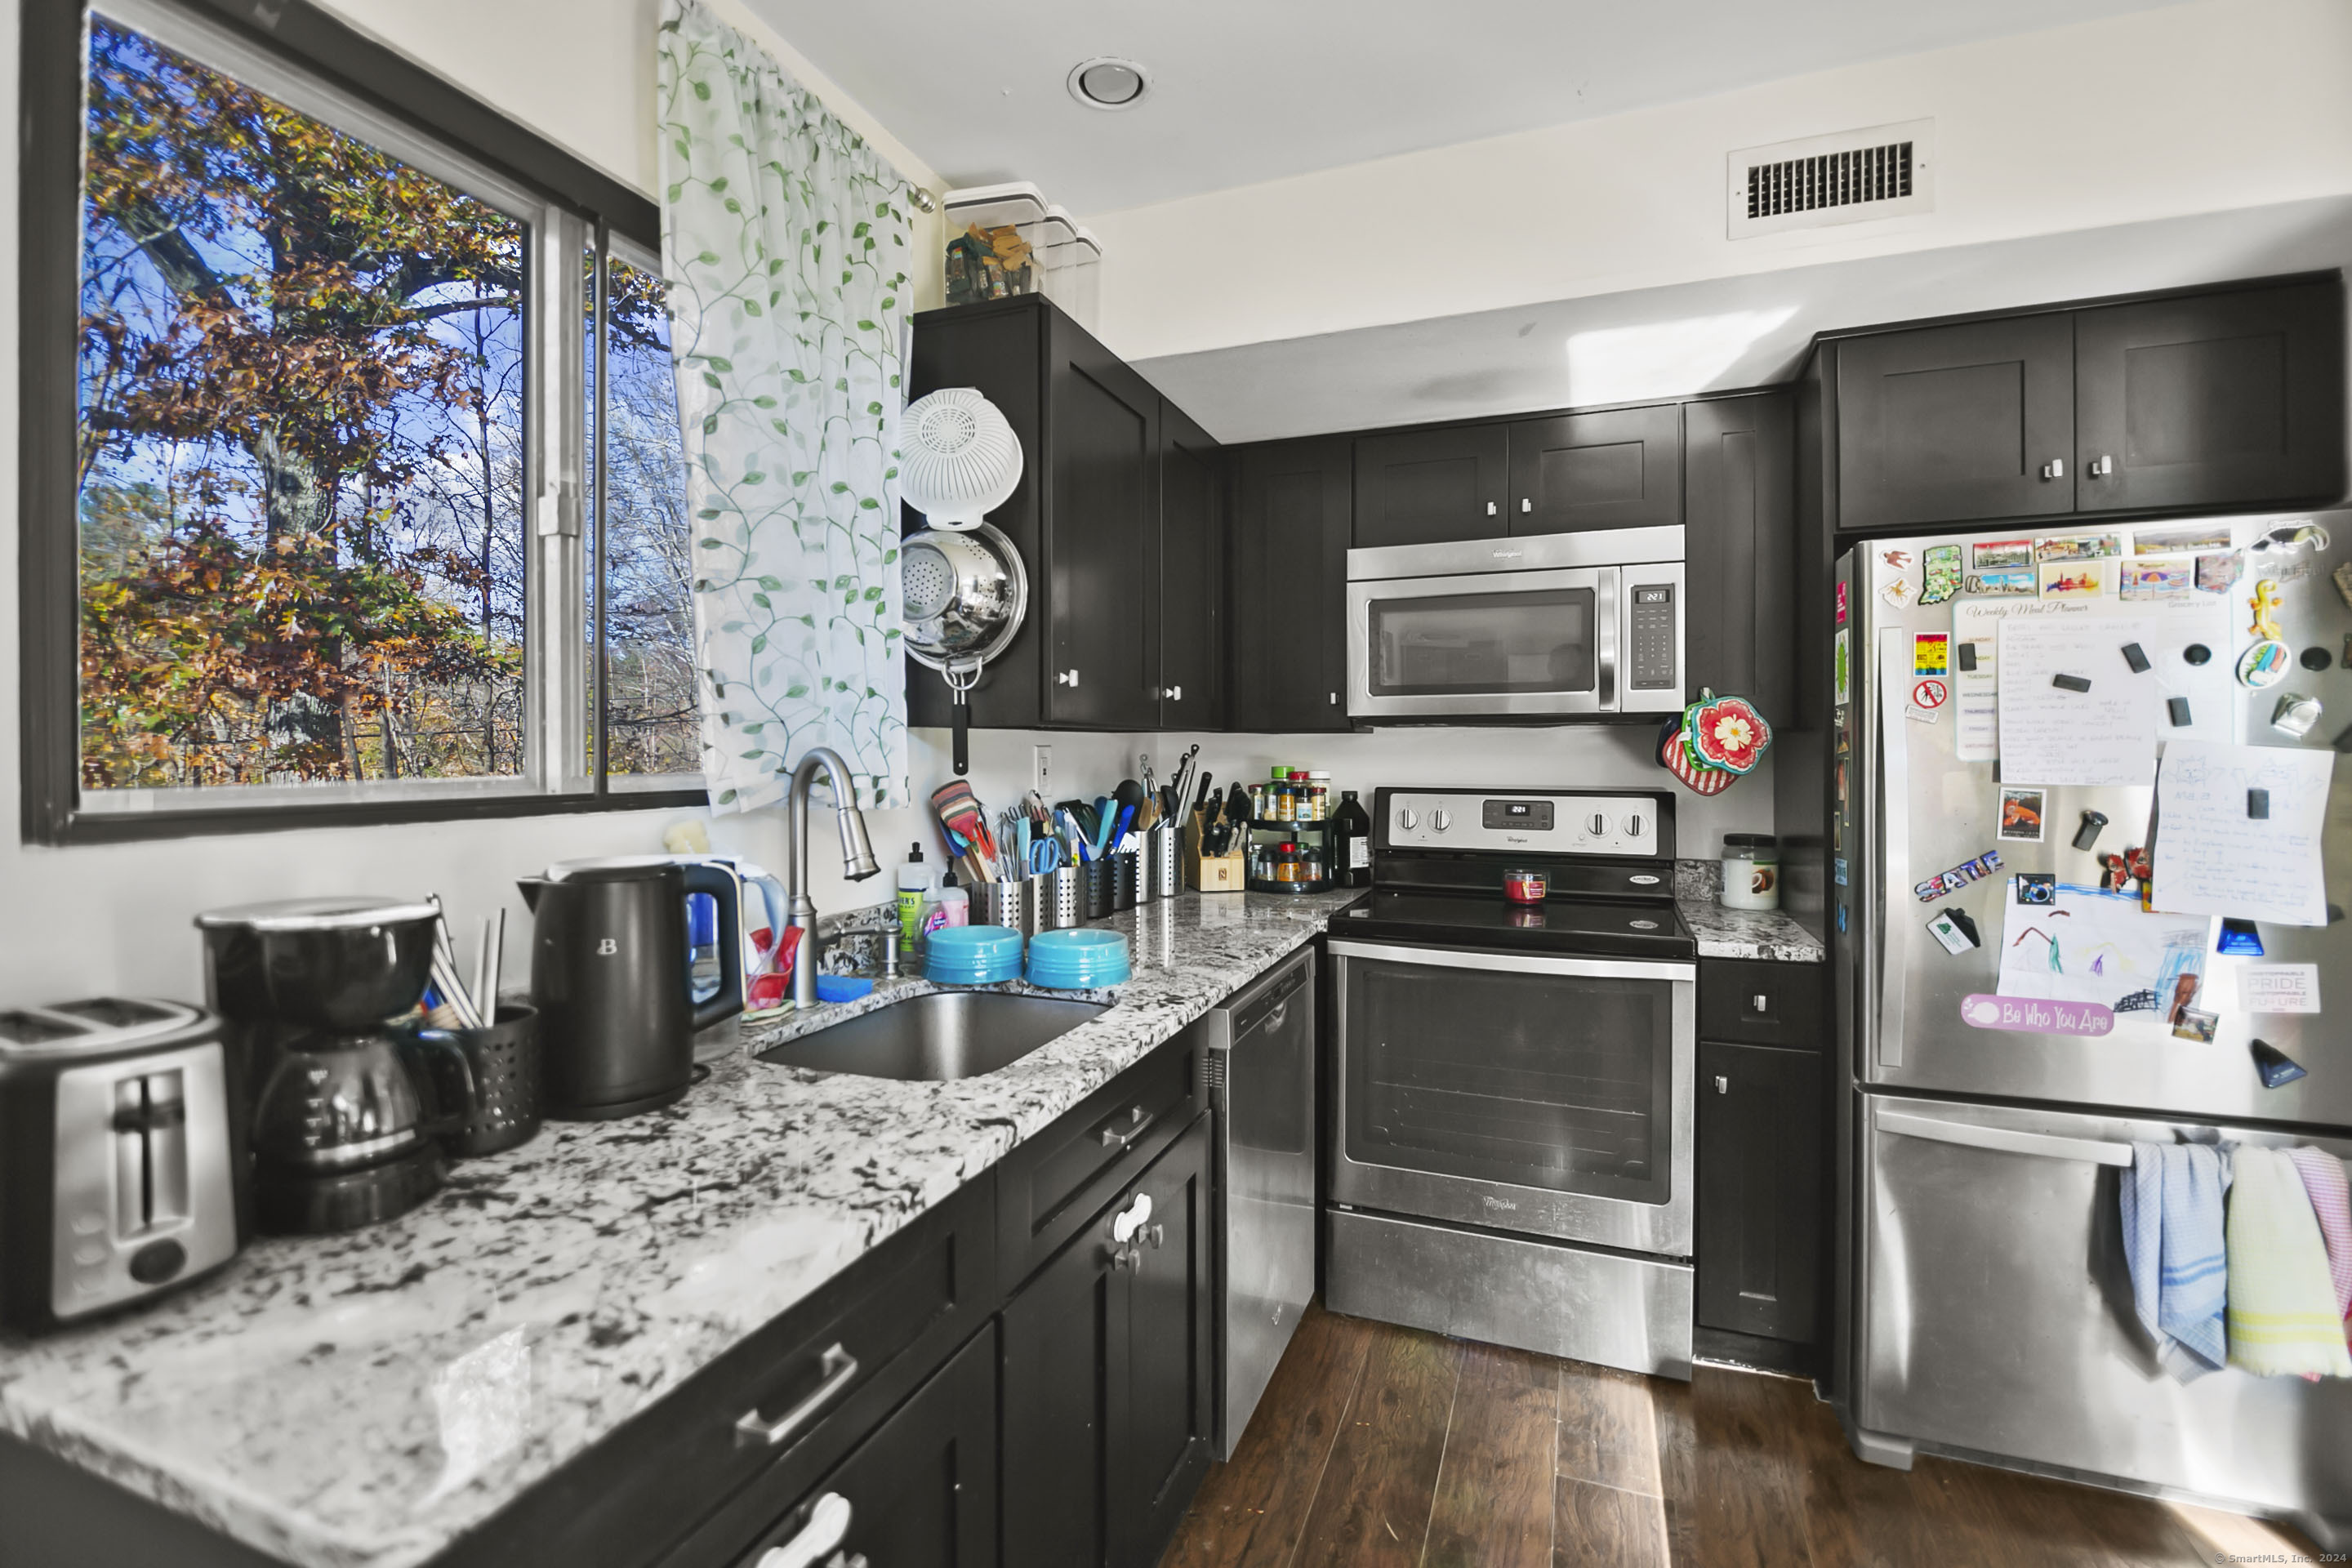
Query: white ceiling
(1724, 334)
(1246, 91)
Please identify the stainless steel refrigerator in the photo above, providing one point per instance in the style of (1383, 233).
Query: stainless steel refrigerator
(1980, 1256)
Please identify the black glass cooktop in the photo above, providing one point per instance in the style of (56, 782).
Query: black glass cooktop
(1599, 928)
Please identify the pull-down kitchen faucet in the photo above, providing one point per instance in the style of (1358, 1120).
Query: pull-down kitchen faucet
(856, 857)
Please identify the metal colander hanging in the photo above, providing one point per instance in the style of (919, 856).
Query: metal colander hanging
(962, 595)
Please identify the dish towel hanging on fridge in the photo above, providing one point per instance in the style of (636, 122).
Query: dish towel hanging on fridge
(2282, 1318)
(2331, 1200)
(2173, 1242)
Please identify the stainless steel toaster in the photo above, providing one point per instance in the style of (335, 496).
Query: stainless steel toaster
(117, 1164)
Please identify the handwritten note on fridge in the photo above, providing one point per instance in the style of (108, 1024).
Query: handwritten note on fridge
(2213, 856)
(2072, 711)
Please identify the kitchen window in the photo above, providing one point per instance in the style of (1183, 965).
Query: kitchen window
(329, 518)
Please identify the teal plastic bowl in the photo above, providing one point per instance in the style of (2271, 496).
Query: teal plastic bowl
(1078, 959)
(971, 955)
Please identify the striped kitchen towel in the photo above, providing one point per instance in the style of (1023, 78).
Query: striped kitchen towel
(2283, 1317)
(2331, 1200)
(2172, 1241)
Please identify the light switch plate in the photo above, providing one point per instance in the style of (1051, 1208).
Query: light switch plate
(1041, 770)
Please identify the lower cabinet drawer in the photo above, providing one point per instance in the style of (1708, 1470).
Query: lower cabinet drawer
(1759, 1002)
(733, 1445)
(920, 1493)
(1052, 1184)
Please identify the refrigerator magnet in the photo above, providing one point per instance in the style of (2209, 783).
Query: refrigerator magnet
(1837, 869)
(2136, 657)
(2264, 664)
(2296, 714)
(2035, 889)
(1954, 931)
(2071, 682)
(1897, 591)
(2276, 1068)
(1841, 603)
(2032, 1015)
(1958, 877)
(2220, 574)
(1931, 653)
(1994, 554)
(2077, 547)
(1928, 698)
(2195, 1023)
(2022, 815)
(2238, 939)
(2016, 584)
(2087, 834)
(1942, 579)
(1841, 667)
(2073, 579)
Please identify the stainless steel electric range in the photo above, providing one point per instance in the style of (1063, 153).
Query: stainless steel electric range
(1510, 1147)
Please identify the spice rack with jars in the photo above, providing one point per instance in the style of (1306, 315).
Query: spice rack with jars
(1289, 846)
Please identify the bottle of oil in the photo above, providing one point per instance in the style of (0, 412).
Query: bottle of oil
(1351, 842)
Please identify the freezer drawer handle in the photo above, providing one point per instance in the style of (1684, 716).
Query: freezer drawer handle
(840, 1370)
(2007, 1140)
(828, 1523)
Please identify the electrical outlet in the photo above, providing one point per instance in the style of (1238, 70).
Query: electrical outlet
(1041, 770)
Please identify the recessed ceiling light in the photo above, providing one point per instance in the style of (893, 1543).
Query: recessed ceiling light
(1108, 82)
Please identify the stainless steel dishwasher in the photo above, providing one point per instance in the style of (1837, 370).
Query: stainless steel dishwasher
(1261, 1071)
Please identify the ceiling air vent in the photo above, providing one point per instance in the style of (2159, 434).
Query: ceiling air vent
(1887, 171)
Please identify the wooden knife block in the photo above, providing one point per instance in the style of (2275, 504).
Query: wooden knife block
(1212, 873)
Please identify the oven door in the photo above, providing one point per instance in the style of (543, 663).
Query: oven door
(1545, 1095)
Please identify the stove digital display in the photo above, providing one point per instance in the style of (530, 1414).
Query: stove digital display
(1526, 816)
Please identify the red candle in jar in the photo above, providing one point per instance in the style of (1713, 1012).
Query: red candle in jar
(1525, 887)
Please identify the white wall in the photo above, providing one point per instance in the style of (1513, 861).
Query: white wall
(2207, 107)
(80, 921)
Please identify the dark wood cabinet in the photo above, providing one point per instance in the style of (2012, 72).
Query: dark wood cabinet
(1616, 468)
(1739, 546)
(1760, 1193)
(1189, 630)
(1107, 1382)
(1431, 487)
(921, 1491)
(1101, 535)
(2210, 399)
(1956, 423)
(1290, 644)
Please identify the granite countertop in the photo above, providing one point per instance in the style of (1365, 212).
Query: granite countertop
(1738, 933)
(366, 1399)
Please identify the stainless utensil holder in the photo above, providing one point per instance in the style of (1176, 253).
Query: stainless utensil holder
(1096, 876)
(1159, 870)
(1003, 904)
(1127, 871)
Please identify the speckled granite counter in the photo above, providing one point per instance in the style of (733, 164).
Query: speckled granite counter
(1738, 933)
(366, 1399)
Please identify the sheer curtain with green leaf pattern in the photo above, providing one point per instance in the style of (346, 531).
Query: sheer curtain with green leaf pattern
(785, 244)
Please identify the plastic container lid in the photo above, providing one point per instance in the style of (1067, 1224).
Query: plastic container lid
(1734, 843)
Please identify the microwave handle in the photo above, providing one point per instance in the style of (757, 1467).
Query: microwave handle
(1604, 639)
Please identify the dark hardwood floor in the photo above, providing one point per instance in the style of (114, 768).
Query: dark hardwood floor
(1378, 1445)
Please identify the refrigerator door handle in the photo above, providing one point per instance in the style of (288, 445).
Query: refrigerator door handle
(1891, 814)
(2007, 1140)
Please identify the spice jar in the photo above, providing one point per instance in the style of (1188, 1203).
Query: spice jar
(1286, 803)
(1311, 858)
(1319, 796)
(1751, 871)
(1289, 863)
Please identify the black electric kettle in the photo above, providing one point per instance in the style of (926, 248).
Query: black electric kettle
(609, 974)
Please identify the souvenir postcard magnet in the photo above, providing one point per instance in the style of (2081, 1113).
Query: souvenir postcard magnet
(2023, 813)
(2082, 579)
(2220, 574)
(2077, 547)
(1994, 553)
(2181, 541)
(2156, 581)
(2018, 584)
(1942, 563)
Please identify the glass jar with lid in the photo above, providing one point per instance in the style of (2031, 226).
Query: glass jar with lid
(1751, 871)
(1319, 797)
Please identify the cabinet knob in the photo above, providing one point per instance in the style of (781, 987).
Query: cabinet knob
(1066, 677)
(1335, 700)
(1490, 508)
(1760, 1003)
(1174, 693)
(1526, 504)
(2055, 468)
(2102, 464)
(1722, 1084)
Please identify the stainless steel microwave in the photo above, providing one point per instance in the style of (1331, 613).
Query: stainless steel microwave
(1563, 626)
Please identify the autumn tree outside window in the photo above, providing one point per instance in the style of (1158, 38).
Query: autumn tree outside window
(356, 522)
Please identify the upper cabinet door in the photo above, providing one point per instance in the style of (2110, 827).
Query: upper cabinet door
(1739, 546)
(1431, 487)
(2218, 399)
(1619, 468)
(1290, 584)
(1190, 602)
(1102, 535)
(1956, 423)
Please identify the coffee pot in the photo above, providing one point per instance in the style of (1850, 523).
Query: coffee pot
(611, 976)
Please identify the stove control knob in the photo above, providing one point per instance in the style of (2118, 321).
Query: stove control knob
(1634, 826)
(1441, 820)
(1407, 818)
(1597, 826)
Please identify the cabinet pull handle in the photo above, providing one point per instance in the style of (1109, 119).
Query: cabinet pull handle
(1066, 677)
(828, 1523)
(1155, 1235)
(2103, 464)
(1126, 1258)
(1526, 504)
(1119, 1138)
(1722, 1084)
(840, 1369)
(1174, 693)
(1127, 1223)
(2055, 468)
(1335, 700)
(1760, 1003)
(1490, 508)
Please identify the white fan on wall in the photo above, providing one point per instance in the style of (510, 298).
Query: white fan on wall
(959, 457)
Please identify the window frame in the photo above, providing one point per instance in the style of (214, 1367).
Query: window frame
(570, 209)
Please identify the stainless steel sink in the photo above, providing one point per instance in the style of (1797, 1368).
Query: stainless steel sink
(937, 1037)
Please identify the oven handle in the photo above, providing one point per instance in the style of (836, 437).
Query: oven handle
(1604, 639)
(1521, 962)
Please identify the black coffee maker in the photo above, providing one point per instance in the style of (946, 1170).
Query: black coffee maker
(342, 1114)
(611, 976)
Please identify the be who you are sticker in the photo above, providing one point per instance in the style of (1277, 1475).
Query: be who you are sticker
(2030, 1015)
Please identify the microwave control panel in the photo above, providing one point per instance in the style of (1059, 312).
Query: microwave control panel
(1551, 824)
(1656, 637)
